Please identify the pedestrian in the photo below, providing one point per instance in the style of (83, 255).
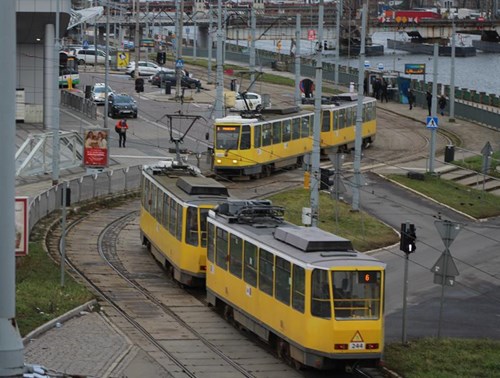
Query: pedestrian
(121, 128)
(442, 104)
(365, 86)
(376, 88)
(411, 98)
(384, 91)
(428, 97)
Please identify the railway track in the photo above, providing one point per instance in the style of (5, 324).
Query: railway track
(186, 338)
(173, 325)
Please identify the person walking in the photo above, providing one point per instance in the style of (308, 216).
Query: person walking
(428, 97)
(121, 128)
(411, 98)
(384, 91)
(442, 104)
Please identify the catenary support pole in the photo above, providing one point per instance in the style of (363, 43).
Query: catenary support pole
(337, 46)
(359, 114)
(297, 60)
(210, 44)
(452, 73)
(11, 346)
(432, 154)
(315, 168)
(253, 23)
(219, 90)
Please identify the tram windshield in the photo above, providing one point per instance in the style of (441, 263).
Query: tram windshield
(226, 137)
(357, 294)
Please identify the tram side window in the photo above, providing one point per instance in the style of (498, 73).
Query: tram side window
(203, 226)
(211, 242)
(276, 132)
(283, 280)
(192, 226)
(159, 206)
(348, 117)
(266, 267)
(147, 191)
(250, 261)
(245, 138)
(298, 288)
(221, 248)
(257, 135)
(341, 118)
(235, 256)
(166, 204)
(266, 135)
(335, 120)
(304, 129)
(320, 296)
(287, 130)
(153, 200)
(325, 124)
(178, 234)
(296, 128)
(143, 190)
(172, 220)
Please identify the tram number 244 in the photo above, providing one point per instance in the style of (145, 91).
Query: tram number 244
(356, 346)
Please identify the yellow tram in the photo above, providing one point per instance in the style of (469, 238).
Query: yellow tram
(303, 290)
(257, 146)
(175, 200)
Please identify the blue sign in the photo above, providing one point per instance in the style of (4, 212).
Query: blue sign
(85, 45)
(367, 64)
(432, 122)
(179, 63)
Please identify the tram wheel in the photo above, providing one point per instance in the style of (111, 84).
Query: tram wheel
(228, 313)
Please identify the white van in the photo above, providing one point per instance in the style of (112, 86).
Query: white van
(87, 56)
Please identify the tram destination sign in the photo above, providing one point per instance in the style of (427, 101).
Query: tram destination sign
(415, 69)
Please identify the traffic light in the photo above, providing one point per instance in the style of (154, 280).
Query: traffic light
(139, 85)
(408, 237)
(161, 57)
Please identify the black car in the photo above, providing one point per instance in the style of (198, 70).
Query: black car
(121, 105)
(167, 77)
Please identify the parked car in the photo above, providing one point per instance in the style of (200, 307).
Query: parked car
(98, 93)
(88, 56)
(171, 78)
(253, 100)
(122, 105)
(145, 68)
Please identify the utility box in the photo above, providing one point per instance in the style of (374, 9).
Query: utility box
(449, 153)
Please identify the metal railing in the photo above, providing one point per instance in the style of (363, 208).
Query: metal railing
(84, 189)
(79, 103)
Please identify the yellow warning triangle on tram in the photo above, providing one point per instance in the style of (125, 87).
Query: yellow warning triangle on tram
(357, 337)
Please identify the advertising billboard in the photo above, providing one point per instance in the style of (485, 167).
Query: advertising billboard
(415, 69)
(95, 148)
(21, 223)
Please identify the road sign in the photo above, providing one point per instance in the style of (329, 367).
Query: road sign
(367, 64)
(487, 151)
(448, 231)
(179, 63)
(432, 122)
(380, 66)
(445, 265)
(85, 45)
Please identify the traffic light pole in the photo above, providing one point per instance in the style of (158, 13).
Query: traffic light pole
(405, 293)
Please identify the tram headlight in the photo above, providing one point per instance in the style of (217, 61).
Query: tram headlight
(235, 161)
(219, 161)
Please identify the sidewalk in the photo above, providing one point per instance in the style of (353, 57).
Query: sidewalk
(85, 343)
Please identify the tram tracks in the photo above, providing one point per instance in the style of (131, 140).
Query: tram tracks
(185, 337)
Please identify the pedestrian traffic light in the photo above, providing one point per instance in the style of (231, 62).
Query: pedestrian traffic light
(161, 57)
(408, 237)
(139, 85)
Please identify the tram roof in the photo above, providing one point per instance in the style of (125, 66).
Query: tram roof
(264, 237)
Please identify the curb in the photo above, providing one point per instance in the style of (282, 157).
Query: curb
(61, 319)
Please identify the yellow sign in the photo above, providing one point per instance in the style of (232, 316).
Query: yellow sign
(357, 338)
(122, 59)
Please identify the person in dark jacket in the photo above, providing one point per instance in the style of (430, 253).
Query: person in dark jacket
(442, 104)
(121, 128)
(411, 98)
(428, 97)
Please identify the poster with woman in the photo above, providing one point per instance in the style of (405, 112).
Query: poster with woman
(21, 223)
(95, 148)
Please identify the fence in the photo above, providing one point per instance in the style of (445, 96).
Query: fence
(84, 188)
(79, 103)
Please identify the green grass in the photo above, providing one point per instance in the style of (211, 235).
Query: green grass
(475, 163)
(39, 295)
(475, 203)
(365, 232)
(445, 358)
